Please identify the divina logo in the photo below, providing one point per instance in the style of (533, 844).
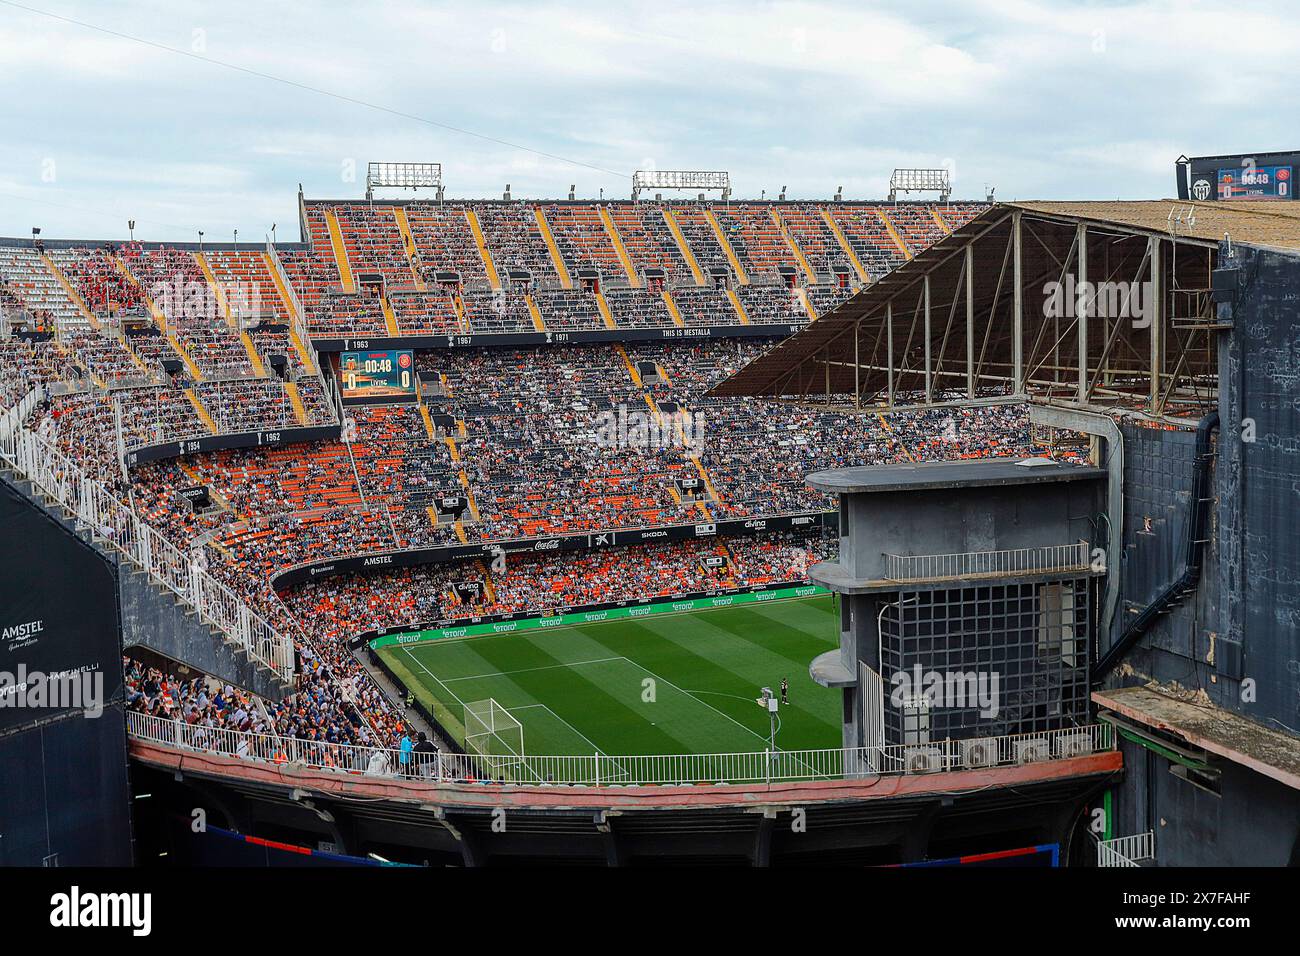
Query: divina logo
(76, 909)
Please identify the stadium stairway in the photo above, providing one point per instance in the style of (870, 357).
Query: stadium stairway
(799, 257)
(708, 485)
(135, 356)
(725, 243)
(802, 295)
(408, 243)
(340, 252)
(72, 293)
(477, 231)
(489, 590)
(538, 322)
(557, 260)
(295, 399)
(201, 411)
(672, 309)
(627, 363)
(390, 317)
(612, 228)
(894, 435)
(893, 233)
(684, 246)
(286, 299)
(160, 320)
(738, 306)
(843, 241)
(940, 222)
(245, 339)
(605, 313)
(154, 616)
(458, 306)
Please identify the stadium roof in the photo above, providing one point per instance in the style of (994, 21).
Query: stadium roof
(1256, 223)
(932, 475)
(969, 318)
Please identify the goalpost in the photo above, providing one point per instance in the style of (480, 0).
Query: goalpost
(491, 732)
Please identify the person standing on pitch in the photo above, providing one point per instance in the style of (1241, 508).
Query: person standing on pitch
(785, 691)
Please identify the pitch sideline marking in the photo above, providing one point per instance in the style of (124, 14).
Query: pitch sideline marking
(563, 721)
(437, 642)
(629, 660)
(525, 670)
(525, 706)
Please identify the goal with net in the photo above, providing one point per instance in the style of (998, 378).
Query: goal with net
(492, 733)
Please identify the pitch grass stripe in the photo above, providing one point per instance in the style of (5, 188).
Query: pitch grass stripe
(576, 696)
(728, 690)
(724, 642)
(496, 691)
(522, 670)
(590, 634)
(714, 657)
(591, 746)
(739, 714)
(631, 635)
(551, 741)
(728, 643)
(429, 634)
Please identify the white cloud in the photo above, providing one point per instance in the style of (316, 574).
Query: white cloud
(1043, 99)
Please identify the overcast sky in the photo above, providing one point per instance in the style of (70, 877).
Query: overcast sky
(1042, 100)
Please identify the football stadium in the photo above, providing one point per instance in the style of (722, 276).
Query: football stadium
(692, 525)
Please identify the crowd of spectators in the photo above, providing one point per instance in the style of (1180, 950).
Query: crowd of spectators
(337, 608)
(518, 432)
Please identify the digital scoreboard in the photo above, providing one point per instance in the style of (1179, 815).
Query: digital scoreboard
(380, 376)
(1255, 182)
(1262, 177)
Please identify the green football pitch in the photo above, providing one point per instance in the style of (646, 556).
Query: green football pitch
(670, 684)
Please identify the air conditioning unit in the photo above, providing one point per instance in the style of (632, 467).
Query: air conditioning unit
(979, 752)
(1078, 744)
(1031, 751)
(922, 760)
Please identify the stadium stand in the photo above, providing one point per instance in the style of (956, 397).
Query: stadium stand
(524, 446)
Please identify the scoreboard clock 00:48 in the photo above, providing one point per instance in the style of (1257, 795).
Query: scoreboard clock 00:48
(383, 375)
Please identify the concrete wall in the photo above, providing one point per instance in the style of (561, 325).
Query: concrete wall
(152, 618)
(951, 520)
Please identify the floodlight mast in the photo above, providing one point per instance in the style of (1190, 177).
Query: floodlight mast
(403, 176)
(681, 179)
(920, 180)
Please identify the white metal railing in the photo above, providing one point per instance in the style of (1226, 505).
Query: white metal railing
(11, 420)
(94, 507)
(1127, 850)
(601, 770)
(975, 564)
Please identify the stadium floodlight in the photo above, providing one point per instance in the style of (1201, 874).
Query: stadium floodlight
(680, 179)
(768, 701)
(920, 180)
(492, 733)
(403, 176)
